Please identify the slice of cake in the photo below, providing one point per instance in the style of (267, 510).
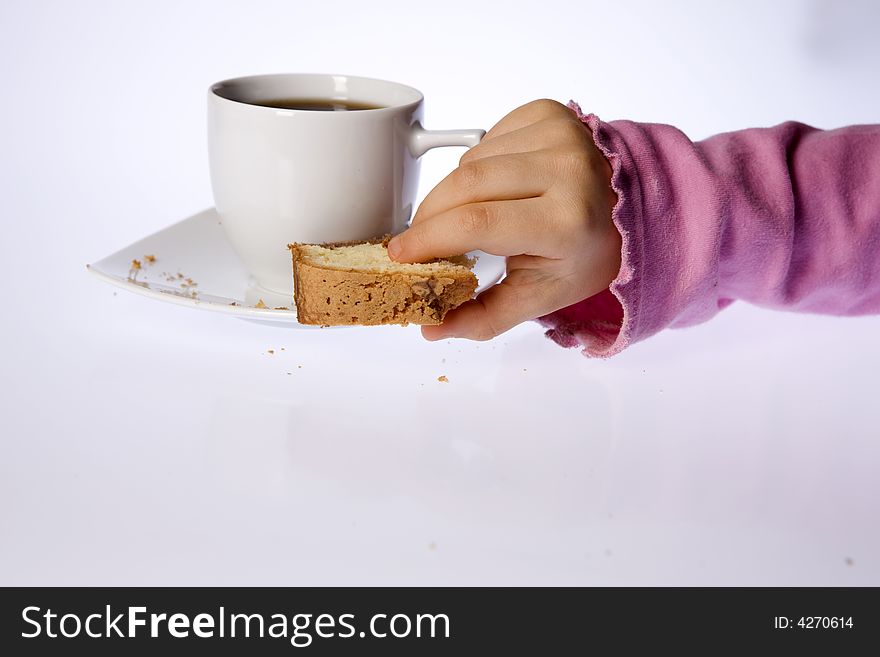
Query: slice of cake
(357, 283)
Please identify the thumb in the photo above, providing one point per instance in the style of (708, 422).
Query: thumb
(519, 297)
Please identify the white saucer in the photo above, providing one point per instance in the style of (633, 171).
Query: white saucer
(196, 266)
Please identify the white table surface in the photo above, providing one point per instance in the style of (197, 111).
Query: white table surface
(144, 443)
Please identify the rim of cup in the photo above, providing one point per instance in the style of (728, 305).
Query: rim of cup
(412, 96)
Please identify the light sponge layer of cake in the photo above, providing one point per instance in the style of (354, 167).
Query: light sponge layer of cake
(341, 284)
(373, 256)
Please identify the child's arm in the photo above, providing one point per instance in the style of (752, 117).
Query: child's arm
(785, 217)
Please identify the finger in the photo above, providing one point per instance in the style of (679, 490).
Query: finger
(522, 140)
(501, 178)
(514, 300)
(542, 135)
(527, 262)
(497, 227)
(526, 115)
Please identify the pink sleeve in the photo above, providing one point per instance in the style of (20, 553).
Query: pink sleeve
(785, 217)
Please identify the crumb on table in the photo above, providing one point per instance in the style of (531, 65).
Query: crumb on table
(270, 352)
(135, 264)
(151, 259)
(260, 304)
(442, 379)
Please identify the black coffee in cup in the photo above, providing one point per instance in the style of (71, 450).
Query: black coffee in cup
(315, 104)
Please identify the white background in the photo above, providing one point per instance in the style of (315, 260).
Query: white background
(144, 443)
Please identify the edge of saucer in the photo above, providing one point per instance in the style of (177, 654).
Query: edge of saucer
(235, 311)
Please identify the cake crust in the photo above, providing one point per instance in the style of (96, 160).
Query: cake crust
(338, 296)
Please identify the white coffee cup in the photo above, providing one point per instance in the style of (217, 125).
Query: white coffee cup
(293, 175)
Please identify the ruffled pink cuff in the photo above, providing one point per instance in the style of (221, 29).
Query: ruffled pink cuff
(604, 324)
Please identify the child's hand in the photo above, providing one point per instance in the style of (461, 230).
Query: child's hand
(535, 189)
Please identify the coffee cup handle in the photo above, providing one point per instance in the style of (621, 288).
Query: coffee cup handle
(421, 140)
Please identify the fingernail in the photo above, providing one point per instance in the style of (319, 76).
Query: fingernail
(394, 248)
(435, 338)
